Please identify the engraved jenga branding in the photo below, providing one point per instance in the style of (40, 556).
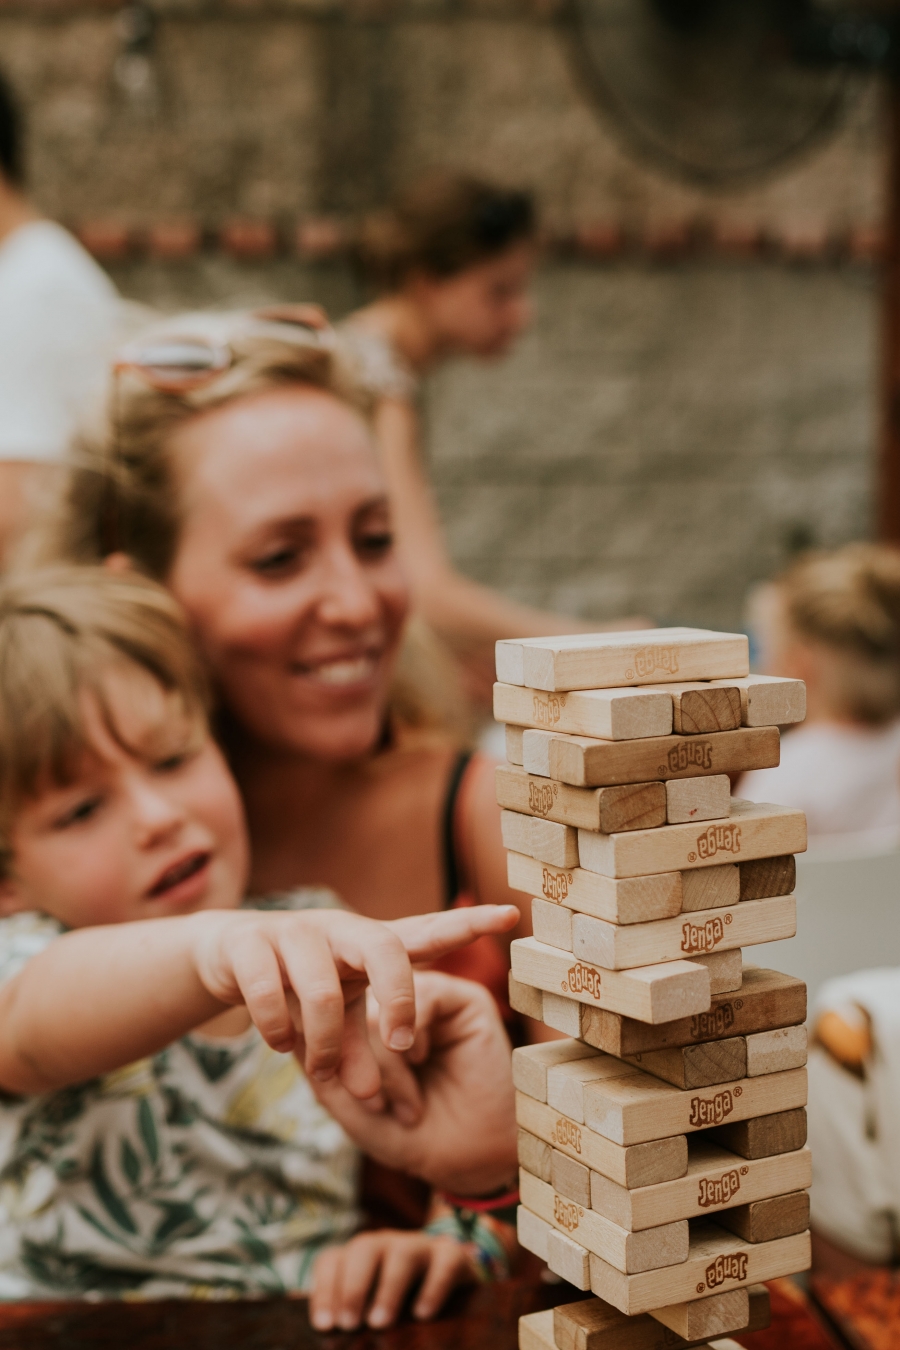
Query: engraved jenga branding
(566, 1213)
(649, 659)
(540, 797)
(720, 1191)
(711, 1110)
(555, 885)
(582, 980)
(547, 709)
(719, 839)
(702, 937)
(567, 1134)
(692, 754)
(707, 1026)
(729, 1266)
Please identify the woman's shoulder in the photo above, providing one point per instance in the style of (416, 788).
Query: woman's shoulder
(374, 362)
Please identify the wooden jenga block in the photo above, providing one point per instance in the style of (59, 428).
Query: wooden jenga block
(703, 708)
(633, 900)
(551, 924)
(534, 1155)
(531, 1063)
(764, 1135)
(753, 830)
(606, 660)
(634, 806)
(568, 1259)
(778, 1216)
(768, 1000)
(620, 947)
(562, 1014)
(546, 840)
(770, 700)
(687, 799)
(586, 761)
(514, 749)
(641, 1165)
(648, 993)
(636, 1109)
(708, 887)
(536, 1331)
(744, 1309)
(532, 1232)
(717, 1261)
(774, 1051)
(568, 1178)
(726, 970)
(695, 1066)
(566, 1082)
(650, 1249)
(526, 1000)
(767, 876)
(597, 1325)
(716, 1180)
(605, 714)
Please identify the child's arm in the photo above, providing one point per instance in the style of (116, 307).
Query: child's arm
(100, 998)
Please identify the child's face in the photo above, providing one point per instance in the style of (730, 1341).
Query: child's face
(140, 834)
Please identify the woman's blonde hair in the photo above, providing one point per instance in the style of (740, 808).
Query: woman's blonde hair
(848, 601)
(63, 630)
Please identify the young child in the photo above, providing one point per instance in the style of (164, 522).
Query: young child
(156, 1137)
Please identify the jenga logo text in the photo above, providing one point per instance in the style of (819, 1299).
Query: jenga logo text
(707, 1026)
(567, 1134)
(692, 754)
(582, 980)
(540, 797)
(566, 1213)
(555, 885)
(702, 937)
(718, 1192)
(731, 1266)
(711, 1110)
(649, 659)
(719, 839)
(547, 710)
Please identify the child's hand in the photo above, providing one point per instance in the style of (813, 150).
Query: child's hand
(303, 977)
(369, 1277)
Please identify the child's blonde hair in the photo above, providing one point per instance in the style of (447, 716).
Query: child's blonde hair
(62, 631)
(848, 601)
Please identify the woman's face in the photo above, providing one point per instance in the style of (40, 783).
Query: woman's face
(287, 568)
(483, 309)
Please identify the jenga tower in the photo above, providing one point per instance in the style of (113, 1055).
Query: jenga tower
(662, 1145)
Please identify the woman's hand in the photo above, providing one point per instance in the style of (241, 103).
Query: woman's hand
(303, 977)
(369, 1278)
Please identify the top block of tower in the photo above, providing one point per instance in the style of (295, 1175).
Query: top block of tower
(613, 660)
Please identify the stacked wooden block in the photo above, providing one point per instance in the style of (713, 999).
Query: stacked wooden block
(662, 1144)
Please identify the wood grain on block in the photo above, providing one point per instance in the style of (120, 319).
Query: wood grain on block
(604, 714)
(770, 700)
(530, 1063)
(701, 708)
(632, 900)
(767, 876)
(545, 840)
(765, 1134)
(569, 1178)
(695, 1066)
(754, 830)
(566, 1082)
(552, 924)
(532, 1232)
(597, 1325)
(642, 1165)
(774, 1051)
(651, 1249)
(726, 970)
(706, 798)
(637, 1109)
(526, 1000)
(633, 806)
(620, 947)
(514, 743)
(536, 751)
(648, 993)
(568, 1259)
(709, 887)
(605, 660)
(705, 1317)
(768, 999)
(717, 1261)
(776, 1217)
(562, 1014)
(536, 1331)
(716, 1180)
(584, 761)
(534, 1155)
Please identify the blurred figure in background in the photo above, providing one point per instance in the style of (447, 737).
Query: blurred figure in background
(452, 260)
(57, 329)
(833, 620)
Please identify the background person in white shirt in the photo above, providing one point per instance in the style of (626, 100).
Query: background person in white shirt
(58, 314)
(833, 620)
